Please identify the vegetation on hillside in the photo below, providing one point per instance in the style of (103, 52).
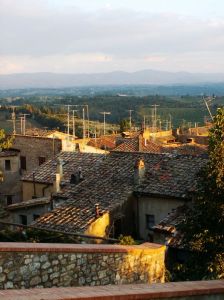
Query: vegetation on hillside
(203, 227)
(5, 142)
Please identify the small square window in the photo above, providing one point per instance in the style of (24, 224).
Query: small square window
(23, 162)
(9, 199)
(42, 160)
(23, 219)
(150, 221)
(7, 165)
(35, 217)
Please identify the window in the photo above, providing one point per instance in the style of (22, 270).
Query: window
(42, 160)
(23, 219)
(8, 199)
(7, 165)
(35, 217)
(150, 221)
(23, 162)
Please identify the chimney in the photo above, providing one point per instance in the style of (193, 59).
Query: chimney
(97, 210)
(80, 173)
(140, 142)
(57, 182)
(139, 171)
(59, 169)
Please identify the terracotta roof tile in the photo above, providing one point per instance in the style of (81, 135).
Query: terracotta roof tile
(112, 181)
(71, 162)
(103, 142)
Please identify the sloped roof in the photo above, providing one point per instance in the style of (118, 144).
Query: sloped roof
(71, 162)
(29, 203)
(6, 153)
(173, 176)
(105, 142)
(169, 223)
(137, 144)
(187, 149)
(111, 183)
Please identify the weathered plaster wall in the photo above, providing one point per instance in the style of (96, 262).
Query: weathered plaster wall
(99, 226)
(159, 207)
(30, 212)
(46, 265)
(11, 184)
(42, 190)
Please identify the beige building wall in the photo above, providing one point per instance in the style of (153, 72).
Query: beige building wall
(42, 190)
(99, 226)
(11, 184)
(159, 207)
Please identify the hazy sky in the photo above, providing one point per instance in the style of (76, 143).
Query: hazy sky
(87, 36)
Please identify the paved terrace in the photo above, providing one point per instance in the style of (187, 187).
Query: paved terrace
(182, 290)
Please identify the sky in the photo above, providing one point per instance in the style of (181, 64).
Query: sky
(91, 36)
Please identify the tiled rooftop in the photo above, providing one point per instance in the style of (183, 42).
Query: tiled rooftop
(172, 176)
(186, 149)
(103, 142)
(29, 203)
(137, 144)
(169, 223)
(71, 162)
(110, 180)
(6, 153)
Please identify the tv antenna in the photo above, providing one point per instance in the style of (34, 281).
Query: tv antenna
(130, 112)
(207, 101)
(104, 113)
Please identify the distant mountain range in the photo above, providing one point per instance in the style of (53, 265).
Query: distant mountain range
(151, 77)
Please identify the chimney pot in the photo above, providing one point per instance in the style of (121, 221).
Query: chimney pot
(139, 171)
(97, 210)
(59, 169)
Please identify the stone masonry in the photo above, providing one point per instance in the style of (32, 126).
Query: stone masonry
(32, 147)
(47, 265)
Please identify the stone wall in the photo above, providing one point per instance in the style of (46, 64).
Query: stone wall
(25, 265)
(32, 147)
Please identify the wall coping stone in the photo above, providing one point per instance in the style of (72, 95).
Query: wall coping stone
(79, 248)
(119, 292)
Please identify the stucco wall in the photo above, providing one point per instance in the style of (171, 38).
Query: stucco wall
(26, 265)
(42, 190)
(30, 212)
(159, 207)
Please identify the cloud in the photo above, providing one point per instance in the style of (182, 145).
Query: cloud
(43, 37)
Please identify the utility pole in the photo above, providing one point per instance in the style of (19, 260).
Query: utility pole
(68, 116)
(170, 121)
(14, 119)
(209, 99)
(73, 123)
(83, 122)
(104, 113)
(130, 111)
(23, 123)
(154, 117)
(87, 113)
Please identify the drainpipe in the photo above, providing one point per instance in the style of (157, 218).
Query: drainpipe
(34, 187)
(137, 221)
(44, 188)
